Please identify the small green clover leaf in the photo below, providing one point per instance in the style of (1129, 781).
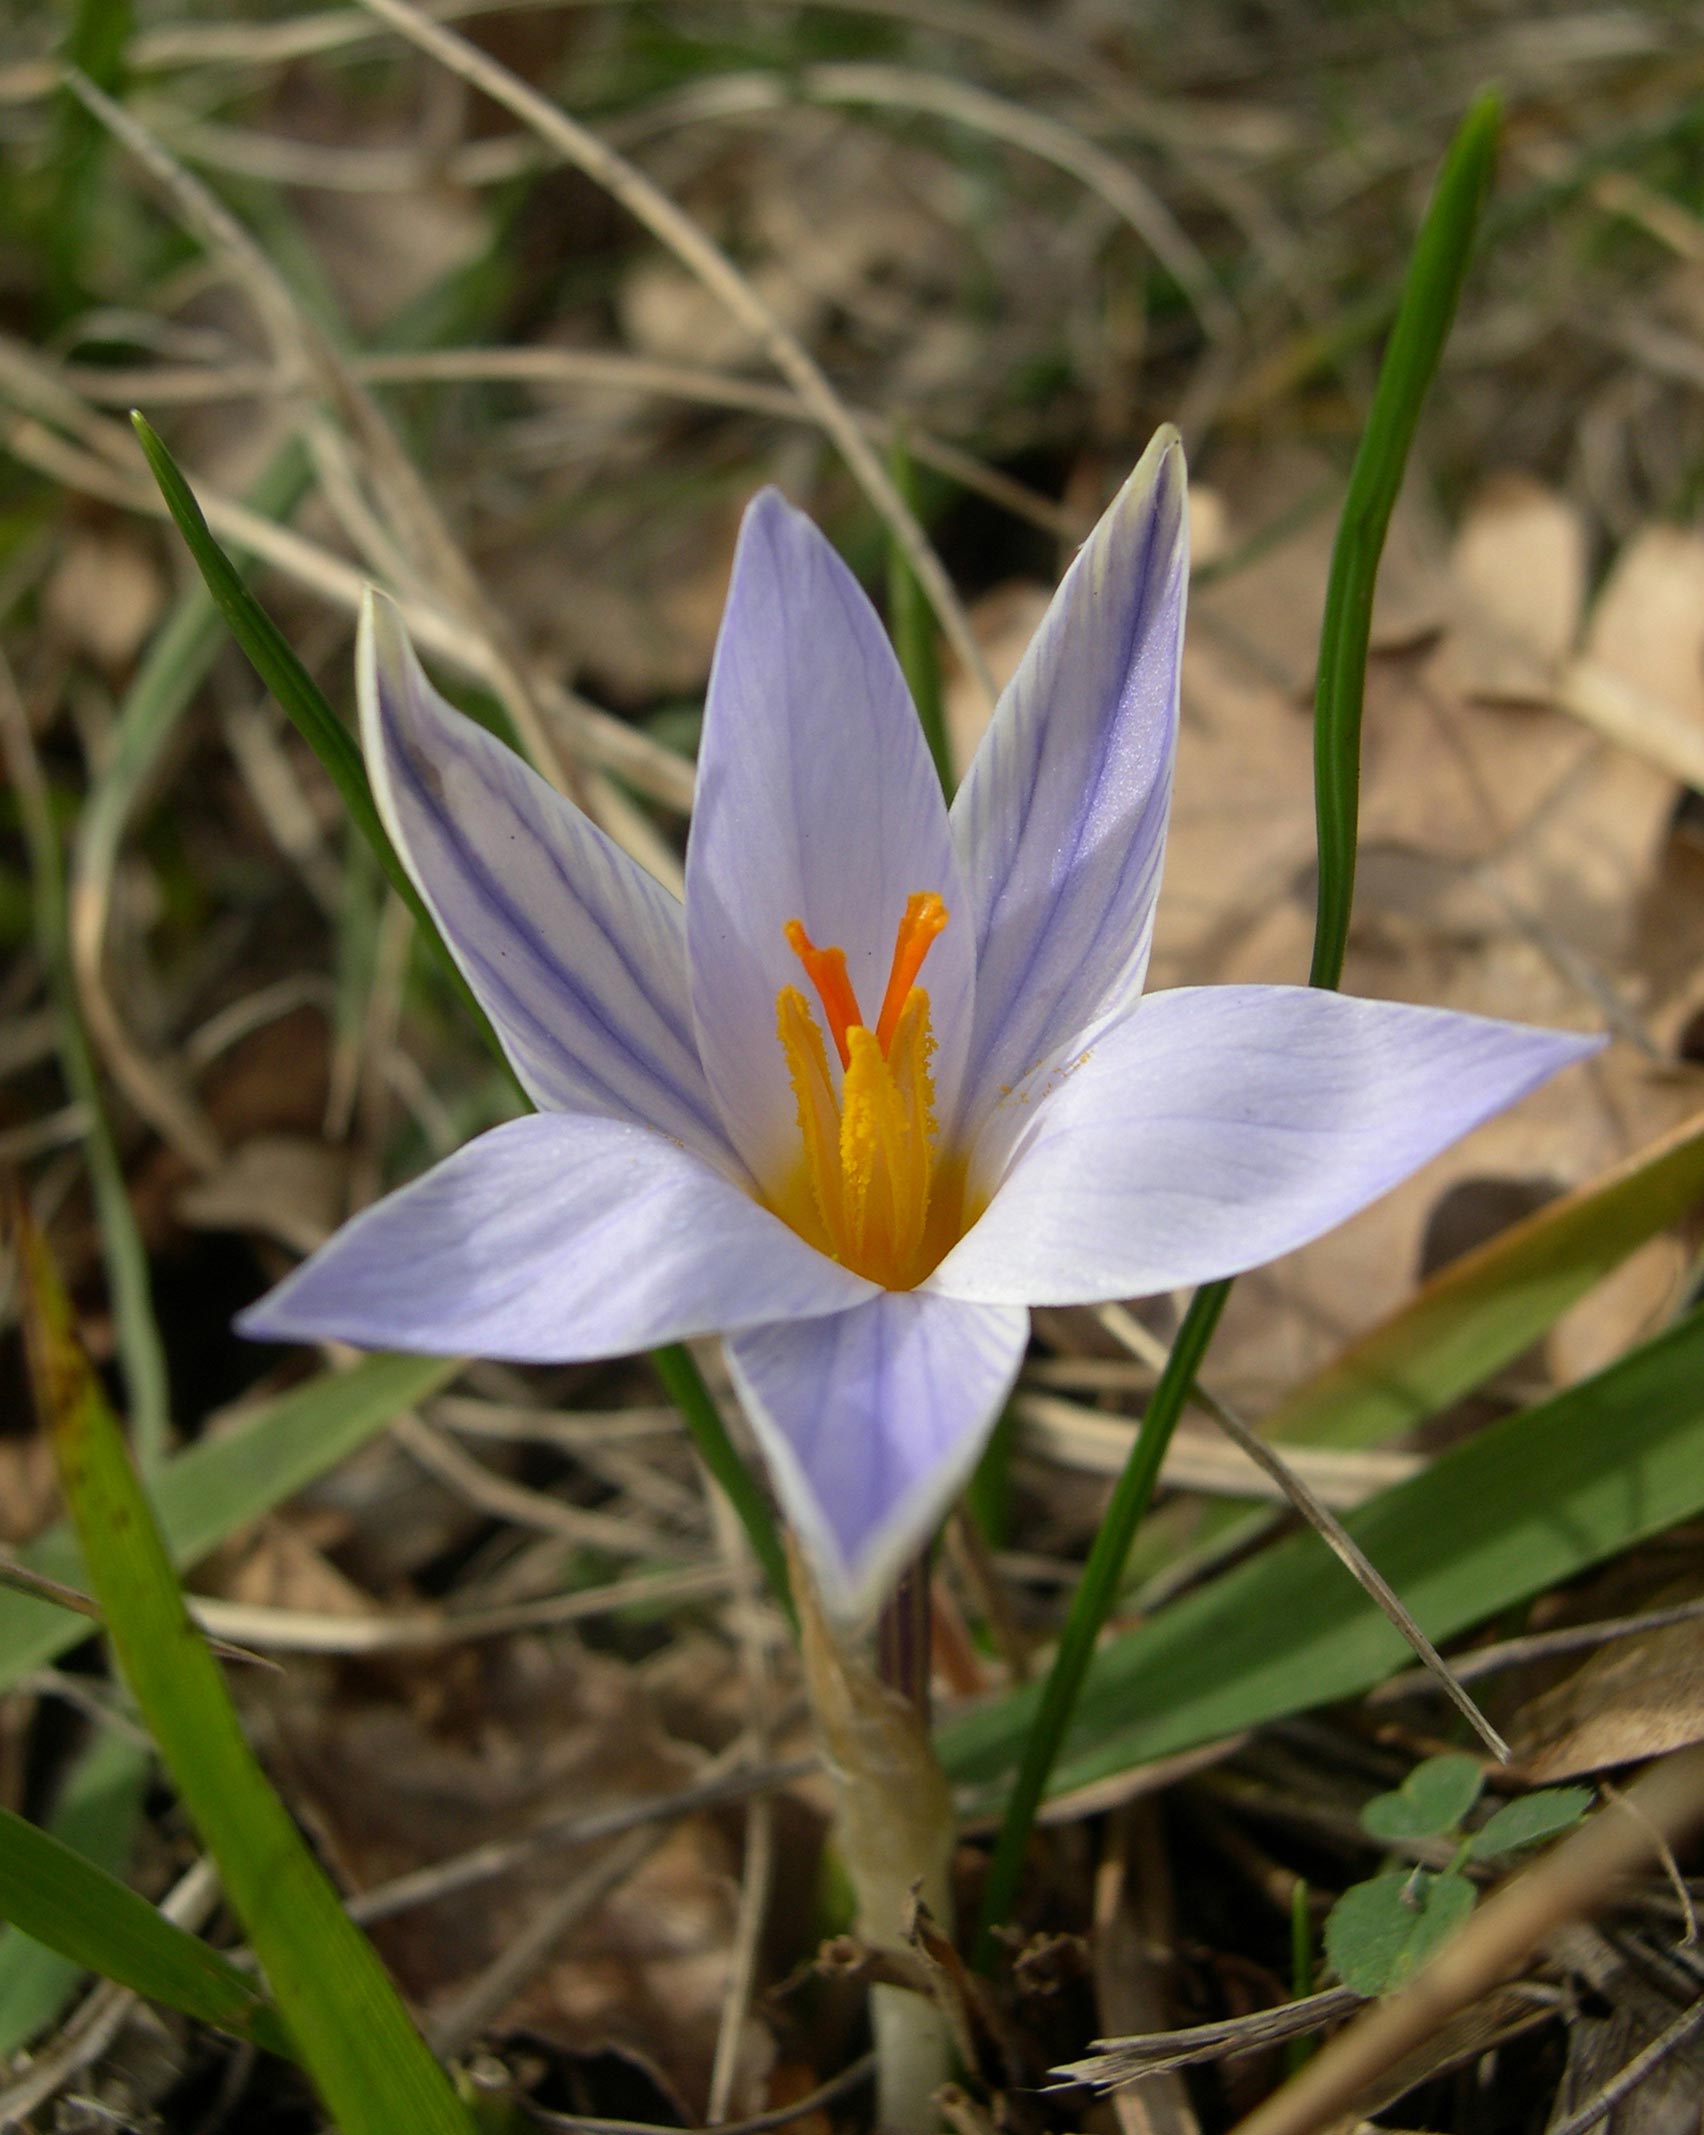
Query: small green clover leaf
(1432, 1800)
(1530, 1820)
(1381, 1932)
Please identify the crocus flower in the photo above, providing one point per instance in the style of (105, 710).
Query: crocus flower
(889, 1078)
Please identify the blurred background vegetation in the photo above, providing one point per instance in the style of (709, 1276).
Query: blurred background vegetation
(392, 328)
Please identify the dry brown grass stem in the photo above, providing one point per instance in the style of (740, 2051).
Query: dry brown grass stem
(672, 227)
(1577, 1878)
(106, 465)
(269, 1629)
(981, 111)
(411, 546)
(495, 1494)
(746, 1617)
(191, 384)
(166, 46)
(1125, 1328)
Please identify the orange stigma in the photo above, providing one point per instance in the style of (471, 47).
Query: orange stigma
(868, 1145)
(826, 970)
(925, 916)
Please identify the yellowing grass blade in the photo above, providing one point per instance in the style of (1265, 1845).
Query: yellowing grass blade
(221, 1483)
(1484, 1309)
(371, 2067)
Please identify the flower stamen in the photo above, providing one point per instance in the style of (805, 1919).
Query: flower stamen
(869, 1149)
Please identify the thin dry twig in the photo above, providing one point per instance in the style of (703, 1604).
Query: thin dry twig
(105, 464)
(481, 1486)
(1640, 2069)
(1150, 2053)
(415, 535)
(1098, 1442)
(650, 205)
(423, 1886)
(461, 2019)
(160, 385)
(1537, 1646)
(911, 89)
(1125, 1328)
(281, 1630)
(453, 2028)
(851, 2078)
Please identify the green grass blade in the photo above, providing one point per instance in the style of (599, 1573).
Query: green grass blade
(1483, 1310)
(95, 1923)
(141, 1352)
(1423, 319)
(221, 1483)
(1436, 271)
(372, 2068)
(176, 663)
(680, 1374)
(96, 1816)
(278, 667)
(1619, 1457)
(1090, 1607)
(269, 653)
(96, 43)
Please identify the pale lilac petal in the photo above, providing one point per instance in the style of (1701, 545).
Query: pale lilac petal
(817, 801)
(576, 954)
(871, 1422)
(1060, 823)
(1215, 1128)
(556, 1238)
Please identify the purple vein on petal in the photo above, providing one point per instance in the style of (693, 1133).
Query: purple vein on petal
(578, 955)
(1061, 821)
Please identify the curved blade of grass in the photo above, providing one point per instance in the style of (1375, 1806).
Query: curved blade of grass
(96, 42)
(679, 1373)
(1052, 1710)
(141, 1352)
(1435, 274)
(179, 655)
(96, 1816)
(221, 1483)
(371, 2067)
(1621, 1456)
(270, 654)
(55, 1894)
(289, 681)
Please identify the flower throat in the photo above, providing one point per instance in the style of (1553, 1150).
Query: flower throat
(870, 1148)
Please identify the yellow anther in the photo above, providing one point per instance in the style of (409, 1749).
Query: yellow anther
(869, 1148)
(819, 1110)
